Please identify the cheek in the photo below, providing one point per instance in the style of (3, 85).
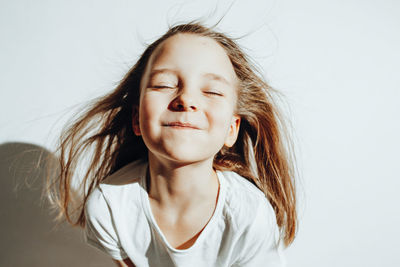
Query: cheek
(148, 111)
(150, 106)
(221, 118)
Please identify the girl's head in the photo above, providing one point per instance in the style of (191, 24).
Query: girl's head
(193, 94)
(188, 95)
(251, 98)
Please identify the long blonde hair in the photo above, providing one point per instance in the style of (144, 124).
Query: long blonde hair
(262, 152)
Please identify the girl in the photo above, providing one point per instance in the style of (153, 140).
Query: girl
(189, 166)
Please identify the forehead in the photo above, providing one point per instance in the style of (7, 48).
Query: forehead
(192, 53)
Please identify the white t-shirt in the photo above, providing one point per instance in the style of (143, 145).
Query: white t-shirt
(241, 232)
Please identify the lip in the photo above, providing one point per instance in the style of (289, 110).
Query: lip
(181, 125)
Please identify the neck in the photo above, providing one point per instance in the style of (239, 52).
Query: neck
(181, 185)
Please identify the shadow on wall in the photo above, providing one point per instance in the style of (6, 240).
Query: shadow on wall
(28, 236)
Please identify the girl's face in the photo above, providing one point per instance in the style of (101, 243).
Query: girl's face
(187, 102)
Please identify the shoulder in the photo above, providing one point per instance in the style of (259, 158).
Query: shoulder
(130, 173)
(253, 220)
(246, 204)
(124, 180)
(120, 188)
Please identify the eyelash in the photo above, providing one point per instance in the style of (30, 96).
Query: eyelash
(162, 87)
(214, 93)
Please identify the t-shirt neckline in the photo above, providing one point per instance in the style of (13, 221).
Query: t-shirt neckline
(210, 225)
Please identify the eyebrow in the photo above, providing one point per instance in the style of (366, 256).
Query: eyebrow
(162, 71)
(208, 75)
(216, 77)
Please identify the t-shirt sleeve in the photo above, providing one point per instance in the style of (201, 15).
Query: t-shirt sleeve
(258, 243)
(99, 229)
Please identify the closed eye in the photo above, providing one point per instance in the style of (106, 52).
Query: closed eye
(213, 93)
(162, 87)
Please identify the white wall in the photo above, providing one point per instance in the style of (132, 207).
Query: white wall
(336, 61)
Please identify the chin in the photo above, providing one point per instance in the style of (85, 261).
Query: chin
(187, 157)
(185, 152)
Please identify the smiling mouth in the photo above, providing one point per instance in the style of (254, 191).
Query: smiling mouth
(181, 125)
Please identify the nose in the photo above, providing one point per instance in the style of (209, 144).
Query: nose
(184, 101)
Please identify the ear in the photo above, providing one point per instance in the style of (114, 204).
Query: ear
(233, 131)
(135, 120)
